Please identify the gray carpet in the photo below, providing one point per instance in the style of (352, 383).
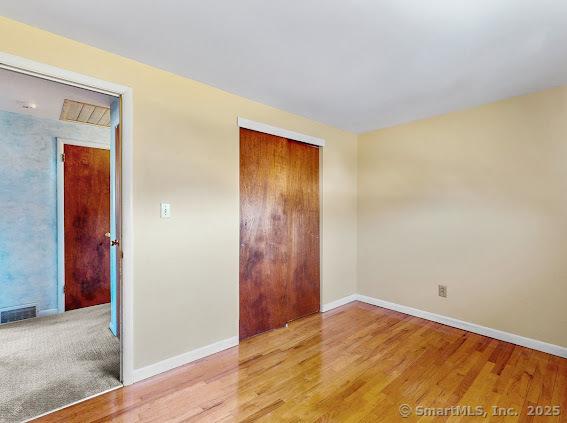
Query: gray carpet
(49, 362)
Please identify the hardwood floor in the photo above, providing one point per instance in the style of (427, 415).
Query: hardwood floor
(357, 363)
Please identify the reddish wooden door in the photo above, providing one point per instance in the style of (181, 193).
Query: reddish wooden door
(86, 221)
(279, 231)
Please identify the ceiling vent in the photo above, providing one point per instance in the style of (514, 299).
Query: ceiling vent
(75, 111)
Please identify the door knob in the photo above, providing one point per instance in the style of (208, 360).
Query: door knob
(107, 234)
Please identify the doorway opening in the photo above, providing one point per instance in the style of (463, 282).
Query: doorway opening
(61, 270)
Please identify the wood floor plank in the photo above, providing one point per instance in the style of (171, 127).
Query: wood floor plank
(357, 363)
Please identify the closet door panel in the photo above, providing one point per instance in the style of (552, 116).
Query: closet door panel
(302, 210)
(279, 231)
(264, 252)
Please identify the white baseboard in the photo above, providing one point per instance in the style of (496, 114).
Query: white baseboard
(188, 357)
(338, 303)
(470, 327)
(185, 358)
(48, 312)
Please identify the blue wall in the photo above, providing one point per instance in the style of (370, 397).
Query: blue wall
(28, 202)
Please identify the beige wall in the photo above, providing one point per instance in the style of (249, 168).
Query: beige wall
(475, 200)
(186, 152)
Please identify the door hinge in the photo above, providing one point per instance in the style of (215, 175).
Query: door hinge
(62, 157)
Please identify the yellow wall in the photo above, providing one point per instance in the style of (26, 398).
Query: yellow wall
(186, 152)
(475, 200)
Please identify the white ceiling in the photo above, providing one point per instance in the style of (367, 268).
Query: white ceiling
(17, 90)
(357, 65)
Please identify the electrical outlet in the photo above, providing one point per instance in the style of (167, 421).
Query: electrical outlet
(443, 291)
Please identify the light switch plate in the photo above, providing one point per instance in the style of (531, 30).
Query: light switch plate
(165, 210)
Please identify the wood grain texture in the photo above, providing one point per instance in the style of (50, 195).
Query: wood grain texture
(87, 219)
(357, 363)
(279, 231)
(302, 208)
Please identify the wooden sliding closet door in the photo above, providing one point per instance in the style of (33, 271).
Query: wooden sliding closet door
(279, 231)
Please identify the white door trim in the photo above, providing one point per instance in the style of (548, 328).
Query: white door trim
(30, 67)
(61, 213)
(280, 132)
